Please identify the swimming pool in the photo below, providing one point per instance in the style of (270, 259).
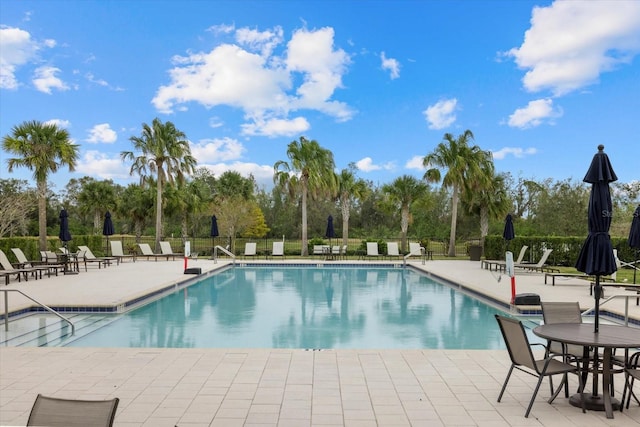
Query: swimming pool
(310, 307)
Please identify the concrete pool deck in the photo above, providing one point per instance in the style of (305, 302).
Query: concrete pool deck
(282, 387)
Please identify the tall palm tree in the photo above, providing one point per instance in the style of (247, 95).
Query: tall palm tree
(95, 198)
(43, 148)
(309, 172)
(403, 191)
(464, 164)
(350, 188)
(489, 199)
(161, 151)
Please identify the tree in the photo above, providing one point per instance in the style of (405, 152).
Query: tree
(350, 188)
(161, 150)
(43, 148)
(95, 198)
(488, 198)
(464, 163)
(309, 172)
(403, 191)
(17, 202)
(135, 205)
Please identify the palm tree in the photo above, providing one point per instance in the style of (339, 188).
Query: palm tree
(350, 188)
(164, 152)
(403, 191)
(310, 172)
(463, 163)
(489, 199)
(95, 198)
(43, 148)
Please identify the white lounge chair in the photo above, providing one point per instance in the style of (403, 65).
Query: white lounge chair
(147, 252)
(278, 249)
(539, 266)
(250, 249)
(19, 272)
(166, 249)
(372, 250)
(118, 252)
(89, 257)
(392, 250)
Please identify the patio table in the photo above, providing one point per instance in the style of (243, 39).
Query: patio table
(608, 338)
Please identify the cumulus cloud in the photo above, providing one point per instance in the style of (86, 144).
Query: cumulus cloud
(415, 163)
(216, 150)
(102, 133)
(16, 49)
(514, 151)
(366, 165)
(570, 43)
(266, 84)
(45, 79)
(534, 114)
(390, 64)
(441, 114)
(66, 124)
(98, 164)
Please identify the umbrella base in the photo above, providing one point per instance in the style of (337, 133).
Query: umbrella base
(593, 403)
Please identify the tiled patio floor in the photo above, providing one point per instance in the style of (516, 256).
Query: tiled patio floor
(267, 387)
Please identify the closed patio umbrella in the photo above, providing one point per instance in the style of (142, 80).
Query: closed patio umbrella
(107, 228)
(330, 231)
(214, 232)
(596, 255)
(65, 236)
(509, 234)
(634, 239)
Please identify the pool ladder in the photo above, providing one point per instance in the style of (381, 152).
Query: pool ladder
(49, 309)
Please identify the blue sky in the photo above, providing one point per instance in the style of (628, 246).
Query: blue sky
(539, 83)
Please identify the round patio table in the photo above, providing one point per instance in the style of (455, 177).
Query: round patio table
(608, 338)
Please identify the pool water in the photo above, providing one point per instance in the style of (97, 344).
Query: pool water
(323, 307)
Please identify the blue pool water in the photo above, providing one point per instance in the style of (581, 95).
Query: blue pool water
(308, 307)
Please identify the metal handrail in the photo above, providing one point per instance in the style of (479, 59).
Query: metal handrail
(224, 250)
(612, 297)
(49, 309)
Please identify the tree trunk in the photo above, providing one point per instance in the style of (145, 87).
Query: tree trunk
(345, 221)
(454, 220)
(304, 250)
(404, 227)
(42, 214)
(484, 224)
(159, 209)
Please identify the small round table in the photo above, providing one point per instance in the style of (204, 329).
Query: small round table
(608, 337)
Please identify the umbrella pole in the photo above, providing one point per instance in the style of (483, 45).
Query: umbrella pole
(597, 292)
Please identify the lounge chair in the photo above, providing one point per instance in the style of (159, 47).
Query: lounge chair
(165, 247)
(521, 354)
(372, 249)
(73, 258)
(51, 260)
(500, 264)
(539, 266)
(118, 252)
(250, 249)
(89, 257)
(343, 251)
(278, 249)
(416, 250)
(19, 272)
(147, 252)
(335, 252)
(56, 412)
(321, 250)
(23, 262)
(392, 250)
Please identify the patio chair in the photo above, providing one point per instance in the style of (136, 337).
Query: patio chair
(631, 373)
(22, 259)
(51, 260)
(372, 250)
(56, 412)
(521, 354)
(147, 252)
(250, 249)
(165, 248)
(118, 252)
(89, 258)
(392, 250)
(278, 249)
(19, 272)
(415, 249)
(343, 252)
(539, 266)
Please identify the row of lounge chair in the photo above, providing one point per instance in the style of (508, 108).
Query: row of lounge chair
(340, 252)
(540, 266)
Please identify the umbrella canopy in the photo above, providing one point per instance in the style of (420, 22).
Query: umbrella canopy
(64, 234)
(107, 228)
(330, 231)
(214, 227)
(596, 255)
(634, 239)
(509, 233)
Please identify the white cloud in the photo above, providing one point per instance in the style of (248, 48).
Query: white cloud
(390, 64)
(45, 79)
(16, 49)
(102, 133)
(262, 84)
(97, 164)
(570, 43)
(415, 163)
(276, 127)
(366, 165)
(66, 124)
(441, 114)
(514, 151)
(534, 114)
(216, 150)
(215, 122)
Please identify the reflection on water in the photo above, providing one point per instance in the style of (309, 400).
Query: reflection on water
(308, 307)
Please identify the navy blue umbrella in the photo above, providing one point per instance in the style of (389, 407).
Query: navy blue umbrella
(107, 228)
(64, 234)
(214, 231)
(634, 238)
(509, 233)
(596, 255)
(330, 231)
